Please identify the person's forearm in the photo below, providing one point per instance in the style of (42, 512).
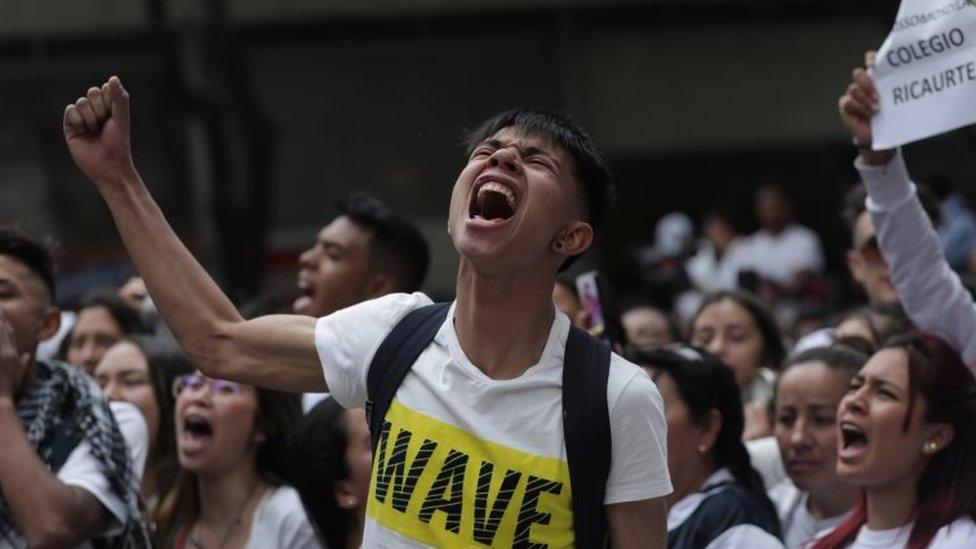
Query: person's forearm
(931, 294)
(194, 307)
(45, 510)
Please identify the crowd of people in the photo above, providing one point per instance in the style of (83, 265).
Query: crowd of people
(529, 412)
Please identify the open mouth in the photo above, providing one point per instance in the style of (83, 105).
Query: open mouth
(196, 427)
(306, 295)
(852, 437)
(492, 201)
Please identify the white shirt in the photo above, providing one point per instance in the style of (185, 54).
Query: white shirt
(82, 469)
(766, 460)
(740, 536)
(708, 273)
(798, 525)
(279, 521)
(930, 291)
(464, 434)
(960, 534)
(781, 257)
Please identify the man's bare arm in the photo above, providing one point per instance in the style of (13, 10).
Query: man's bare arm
(638, 524)
(276, 351)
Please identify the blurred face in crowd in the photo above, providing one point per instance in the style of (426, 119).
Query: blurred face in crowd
(719, 232)
(686, 438)
(728, 331)
(123, 375)
(94, 332)
(26, 304)
(773, 208)
(335, 272)
(876, 447)
(516, 198)
(646, 327)
(215, 427)
(351, 492)
(806, 424)
(867, 265)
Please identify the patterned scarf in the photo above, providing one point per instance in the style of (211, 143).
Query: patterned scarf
(62, 401)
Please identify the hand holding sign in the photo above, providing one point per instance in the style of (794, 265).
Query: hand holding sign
(858, 106)
(925, 72)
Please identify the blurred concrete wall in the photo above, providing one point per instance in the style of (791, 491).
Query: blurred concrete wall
(374, 94)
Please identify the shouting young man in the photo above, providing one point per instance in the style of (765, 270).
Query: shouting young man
(480, 455)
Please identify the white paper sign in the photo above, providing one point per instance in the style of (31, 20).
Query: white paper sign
(926, 72)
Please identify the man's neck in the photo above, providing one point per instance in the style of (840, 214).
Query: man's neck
(503, 321)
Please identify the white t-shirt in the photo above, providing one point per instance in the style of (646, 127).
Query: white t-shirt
(960, 534)
(766, 460)
(81, 469)
(280, 521)
(798, 525)
(463, 450)
(780, 257)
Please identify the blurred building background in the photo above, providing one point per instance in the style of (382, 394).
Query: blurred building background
(251, 117)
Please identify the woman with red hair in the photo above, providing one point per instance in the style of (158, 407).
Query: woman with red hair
(907, 438)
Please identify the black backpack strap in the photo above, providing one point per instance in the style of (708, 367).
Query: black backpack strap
(394, 358)
(586, 427)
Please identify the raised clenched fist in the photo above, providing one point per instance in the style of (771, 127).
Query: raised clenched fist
(858, 106)
(96, 129)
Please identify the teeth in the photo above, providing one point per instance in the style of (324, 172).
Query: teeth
(501, 189)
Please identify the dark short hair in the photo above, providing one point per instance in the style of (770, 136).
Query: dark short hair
(397, 246)
(591, 170)
(34, 255)
(854, 205)
(124, 315)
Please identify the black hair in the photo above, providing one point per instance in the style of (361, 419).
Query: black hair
(773, 348)
(883, 321)
(124, 315)
(318, 461)
(834, 357)
(34, 255)
(591, 170)
(705, 383)
(397, 246)
(166, 362)
(854, 205)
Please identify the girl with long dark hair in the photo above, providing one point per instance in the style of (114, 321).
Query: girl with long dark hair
(719, 500)
(907, 439)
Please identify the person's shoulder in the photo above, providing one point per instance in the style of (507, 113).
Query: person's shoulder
(282, 505)
(386, 310)
(956, 535)
(629, 386)
(738, 504)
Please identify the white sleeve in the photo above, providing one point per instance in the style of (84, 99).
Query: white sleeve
(639, 435)
(810, 252)
(745, 536)
(135, 432)
(930, 292)
(281, 522)
(81, 470)
(346, 341)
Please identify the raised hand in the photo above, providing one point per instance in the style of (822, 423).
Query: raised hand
(96, 129)
(858, 106)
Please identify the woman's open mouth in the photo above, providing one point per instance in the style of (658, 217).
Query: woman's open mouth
(853, 441)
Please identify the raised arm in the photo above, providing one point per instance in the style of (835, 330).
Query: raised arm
(930, 292)
(276, 351)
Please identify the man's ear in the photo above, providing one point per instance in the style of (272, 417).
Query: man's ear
(50, 323)
(574, 240)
